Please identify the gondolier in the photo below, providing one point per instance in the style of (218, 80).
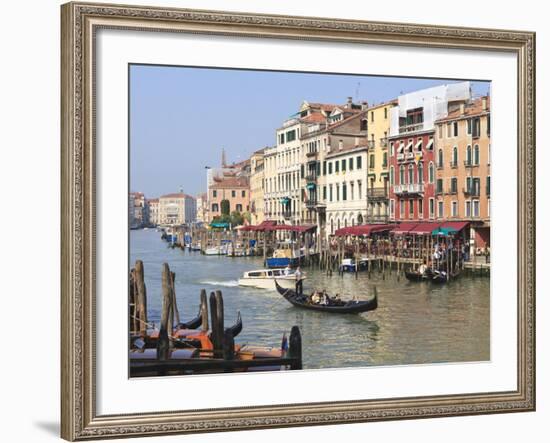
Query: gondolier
(299, 285)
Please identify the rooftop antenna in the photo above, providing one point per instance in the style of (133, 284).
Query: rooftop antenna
(357, 88)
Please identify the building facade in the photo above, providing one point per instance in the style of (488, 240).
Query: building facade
(202, 208)
(177, 209)
(378, 130)
(138, 210)
(236, 190)
(153, 204)
(463, 168)
(257, 187)
(411, 145)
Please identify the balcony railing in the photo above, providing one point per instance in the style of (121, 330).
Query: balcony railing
(312, 178)
(311, 204)
(411, 128)
(473, 192)
(400, 157)
(310, 154)
(370, 144)
(453, 164)
(384, 142)
(410, 188)
(377, 192)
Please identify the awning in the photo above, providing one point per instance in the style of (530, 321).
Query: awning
(425, 228)
(409, 146)
(430, 144)
(450, 228)
(401, 147)
(403, 228)
(363, 230)
(293, 228)
(285, 200)
(219, 225)
(261, 227)
(310, 186)
(418, 145)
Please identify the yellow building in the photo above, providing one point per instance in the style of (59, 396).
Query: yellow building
(257, 187)
(378, 129)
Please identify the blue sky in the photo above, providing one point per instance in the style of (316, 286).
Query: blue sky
(181, 118)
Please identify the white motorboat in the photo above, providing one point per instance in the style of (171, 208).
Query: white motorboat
(216, 250)
(265, 278)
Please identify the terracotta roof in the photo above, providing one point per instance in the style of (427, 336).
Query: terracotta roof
(323, 106)
(153, 200)
(316, 117)
(230, 182)
(470, 110)
(176, 195)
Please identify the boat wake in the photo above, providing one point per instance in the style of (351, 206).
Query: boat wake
(227, 283)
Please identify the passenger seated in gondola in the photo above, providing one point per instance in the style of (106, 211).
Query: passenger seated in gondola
(423, 268)
(315, 298)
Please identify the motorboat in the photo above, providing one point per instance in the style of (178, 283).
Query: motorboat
(265, 278)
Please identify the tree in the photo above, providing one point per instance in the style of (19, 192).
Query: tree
(224, 207)
(236, 218)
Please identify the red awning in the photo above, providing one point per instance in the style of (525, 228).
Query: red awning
(292, 228)
(362, 229)
(266, 225)
(403, 228)
(456, 225)
(425, 228)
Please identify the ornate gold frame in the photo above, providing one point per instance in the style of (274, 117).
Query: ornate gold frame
(79, 420)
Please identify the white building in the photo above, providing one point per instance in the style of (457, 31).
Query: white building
(177, 209)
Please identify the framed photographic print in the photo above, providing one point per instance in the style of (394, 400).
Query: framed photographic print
(281, 221)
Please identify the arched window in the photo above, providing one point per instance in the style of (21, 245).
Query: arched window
(331, 226)
(476, 155)
(469, 155)
(401, 174)
(338, 223)
(391, 175)
(420, 172)
(345, 222)
(411, 174)
(431, 172)
(351, 222)
(360, 219)
(455, 156)
(440, 158)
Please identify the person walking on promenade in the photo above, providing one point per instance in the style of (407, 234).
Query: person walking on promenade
(299, 287)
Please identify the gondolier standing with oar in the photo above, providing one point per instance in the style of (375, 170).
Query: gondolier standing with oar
(298, 275)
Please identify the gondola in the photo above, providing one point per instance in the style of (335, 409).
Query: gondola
(238, 326)
(434, 277)
(340, 307)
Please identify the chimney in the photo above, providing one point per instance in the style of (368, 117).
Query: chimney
(340, 145)
(350, 102)
(484, 103)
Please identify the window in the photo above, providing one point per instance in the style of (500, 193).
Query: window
(215, 207)
(402, 174)
(476, 155)
(488, 120)
(318, 168)
(420, 173)
(454, 185)
(455, 129)
(440, 209)
(336, 166)
(411, 174)
(468, 161)
(301, 171)
(476, 208)
(392, 175)
(324, 192)
(352, 189)
(454, 209)
(385, 112)
(233, 193)
(324, 168)
(359, 160)
(476, 129)
(431, 207)
(343, 165)
(364, 125)
(440, 131)
(455, 157)
(344, 192)
(239, 208)
(488, 186)
(243, 193)
(359, 189)
(439, 186)
(468, 209)
(281, 138)
(392, 208)
(469, 126)
(449, 128)
(431, 173)
(371, 161)
(351, 164)
(337, 192)
(330, 192)
(392, 153)
(420, 208)
(385, 160)
(440, 158)
(372, 116)
(214, 193)
(291, 135)
(402, 208)
(330, 167)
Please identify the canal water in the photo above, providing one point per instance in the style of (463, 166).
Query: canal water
(414, 323)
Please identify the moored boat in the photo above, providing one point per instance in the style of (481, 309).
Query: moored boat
(334, 304)
(265, 278)
(348, 264)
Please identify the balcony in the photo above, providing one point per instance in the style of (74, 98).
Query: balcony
(410, 188)
(409, 155)
(370, 144)
(411, 128)
(311, 154)
(384, 142)
(377, 193)
(472, 192)
(453, 164)
(470, 164)
(400, 157)
(311, 204)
